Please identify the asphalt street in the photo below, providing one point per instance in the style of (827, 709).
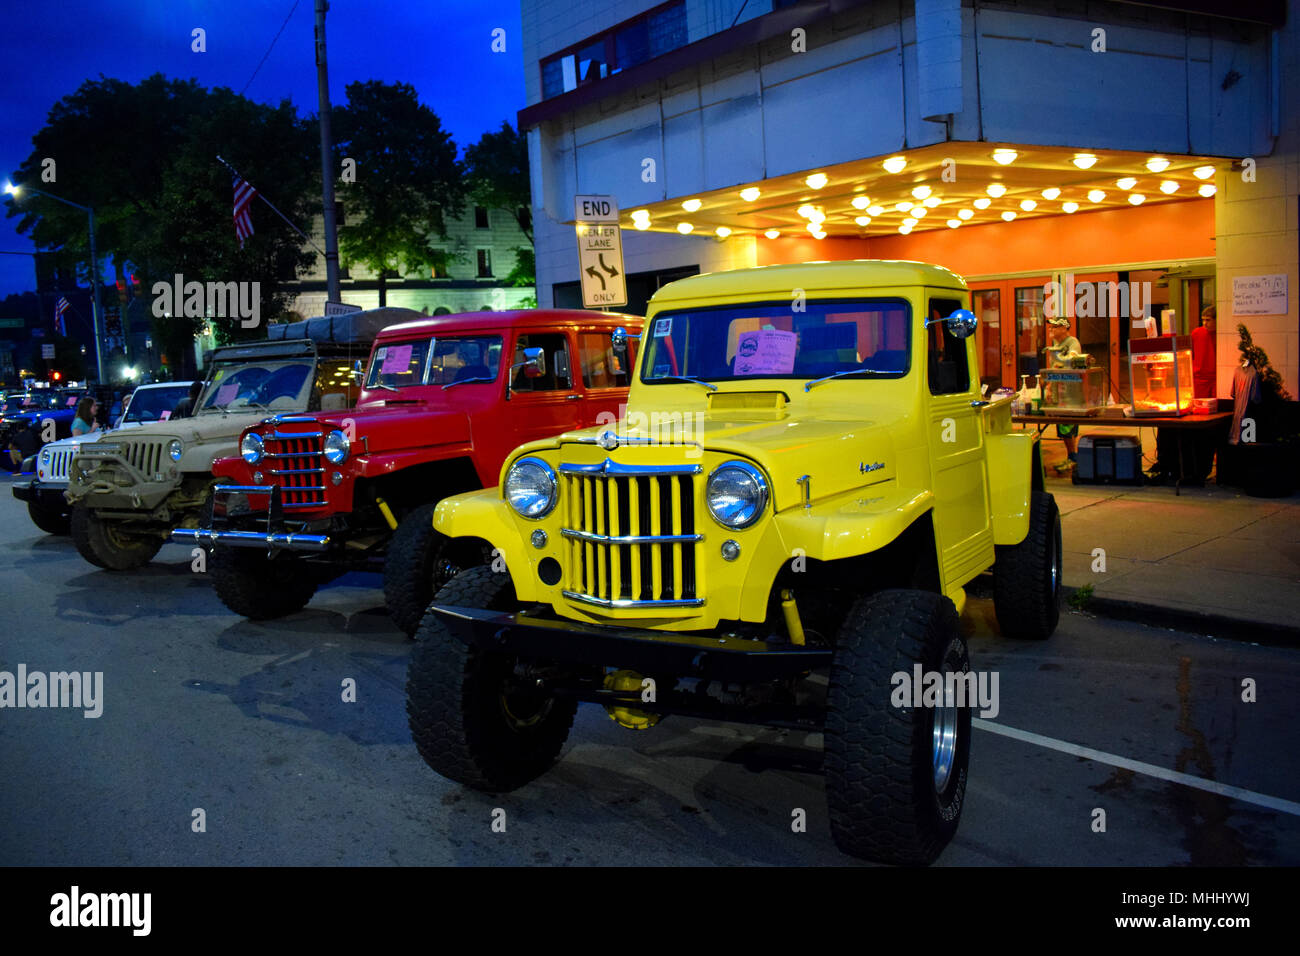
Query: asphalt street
(247, 723)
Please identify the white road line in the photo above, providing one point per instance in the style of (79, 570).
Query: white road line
(1150, 769)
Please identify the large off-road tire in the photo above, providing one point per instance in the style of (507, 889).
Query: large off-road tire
(470, 720)
(416, 565)
(1027, 576)
(895, 775)
(257, 587)
(50, 520)
(105, 545)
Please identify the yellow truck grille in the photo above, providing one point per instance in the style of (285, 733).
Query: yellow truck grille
(631, 535)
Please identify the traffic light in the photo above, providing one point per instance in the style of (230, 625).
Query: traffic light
(137, 289)
(121, 291)
(56, 376)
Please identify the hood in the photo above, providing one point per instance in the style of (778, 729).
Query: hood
(840, 454)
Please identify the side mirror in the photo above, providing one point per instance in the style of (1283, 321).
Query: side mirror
(534, 363)
(358, 373)
(619, 338)
(961, 323)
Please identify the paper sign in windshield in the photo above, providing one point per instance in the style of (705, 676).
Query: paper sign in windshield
(226, 394)
(397, 360)
(765, 352)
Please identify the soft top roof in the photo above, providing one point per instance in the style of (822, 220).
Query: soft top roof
(353, 328)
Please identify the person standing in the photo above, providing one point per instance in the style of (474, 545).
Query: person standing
(84, 422)
(1062, 347)
(1203, 356)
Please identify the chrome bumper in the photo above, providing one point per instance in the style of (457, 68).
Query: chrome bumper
(270, 538)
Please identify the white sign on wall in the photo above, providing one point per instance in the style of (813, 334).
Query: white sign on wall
(1259, 295)
(600, 251)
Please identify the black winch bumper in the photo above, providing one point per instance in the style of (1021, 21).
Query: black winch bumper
(703, 656)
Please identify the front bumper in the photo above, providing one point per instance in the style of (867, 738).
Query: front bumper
(213, 530)
(707, 657)
(45, 495)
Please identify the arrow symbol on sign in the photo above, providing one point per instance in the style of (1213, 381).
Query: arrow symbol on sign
(591, 271)
(612, 272)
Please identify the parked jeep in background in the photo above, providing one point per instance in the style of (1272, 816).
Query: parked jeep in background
(46, 504)
(443, 402)
(41, 416)
(780, 562)
(129, 491)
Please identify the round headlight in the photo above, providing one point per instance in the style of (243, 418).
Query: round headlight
(174, 449)
(336, 447)
(530, 487)
(45, 456)
(736, 494)
(250, 448)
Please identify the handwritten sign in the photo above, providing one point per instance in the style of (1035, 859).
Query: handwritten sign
(397, 361)
(765, 352)
(164, 415)
(226, 394)
(1259, 295)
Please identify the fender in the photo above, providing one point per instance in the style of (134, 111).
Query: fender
(483, 514)
(383, 463)
(853, 524)
(1011, 474)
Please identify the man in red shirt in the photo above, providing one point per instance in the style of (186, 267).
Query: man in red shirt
(1203, 370)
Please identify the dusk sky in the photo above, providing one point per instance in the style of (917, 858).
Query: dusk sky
(441, 48)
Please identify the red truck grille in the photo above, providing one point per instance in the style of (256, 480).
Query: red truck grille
(295, 462)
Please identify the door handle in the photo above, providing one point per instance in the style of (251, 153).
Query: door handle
(573, 398)
(978, 404)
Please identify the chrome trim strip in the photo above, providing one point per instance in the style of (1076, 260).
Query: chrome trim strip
(627, 440)
(609, 468)
(295, 471)
(279, 419)
(244, 489)
(631, 538)
(304, 504)
(291, 454)
(625, 603)
(281, 436)
(254, 539)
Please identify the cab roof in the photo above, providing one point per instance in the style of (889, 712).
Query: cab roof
(814, 278)
(512, 318)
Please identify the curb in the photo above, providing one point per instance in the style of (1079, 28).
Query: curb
(1198, 622)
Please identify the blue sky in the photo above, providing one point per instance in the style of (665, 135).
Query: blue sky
(441, 47)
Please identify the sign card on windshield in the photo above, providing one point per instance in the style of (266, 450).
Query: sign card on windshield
(397, 361)
(226, 394)
(765, 352)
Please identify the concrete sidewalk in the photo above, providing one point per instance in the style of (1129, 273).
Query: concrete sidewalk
(1212, 559)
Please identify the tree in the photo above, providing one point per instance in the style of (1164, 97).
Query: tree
(408, 180)
(497, 173)
(144, 157)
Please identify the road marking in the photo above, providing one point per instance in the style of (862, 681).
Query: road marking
(1150, 769)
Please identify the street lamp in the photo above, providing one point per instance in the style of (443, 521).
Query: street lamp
(12, 190)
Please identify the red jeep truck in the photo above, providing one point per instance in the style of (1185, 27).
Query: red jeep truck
(443, 402)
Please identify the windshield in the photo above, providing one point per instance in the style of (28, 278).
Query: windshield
(453, 359)
(154, 404)
(775, 340)
(271, 385)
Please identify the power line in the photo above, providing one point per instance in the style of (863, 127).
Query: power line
(271, 47)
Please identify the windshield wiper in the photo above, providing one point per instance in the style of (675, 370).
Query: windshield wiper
(809, 385)
(466, 381)
(382, 385)
(684, 378)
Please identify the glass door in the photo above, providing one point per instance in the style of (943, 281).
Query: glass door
(991, 354)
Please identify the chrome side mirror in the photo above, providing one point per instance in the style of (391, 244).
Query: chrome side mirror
(357, 372)
(534, 363)
(961, 323)
(619, 338)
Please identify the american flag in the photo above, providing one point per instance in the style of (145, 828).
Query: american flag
(244, 194)
(59, 308)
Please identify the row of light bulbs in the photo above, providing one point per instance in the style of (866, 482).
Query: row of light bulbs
(896, 164)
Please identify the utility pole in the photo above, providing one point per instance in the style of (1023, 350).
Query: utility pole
(326, 160)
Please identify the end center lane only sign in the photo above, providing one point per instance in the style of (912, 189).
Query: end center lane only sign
(600, 251)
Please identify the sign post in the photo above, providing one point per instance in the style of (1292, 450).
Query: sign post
(600, 251)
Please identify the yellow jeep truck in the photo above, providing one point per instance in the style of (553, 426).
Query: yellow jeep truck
(777, 529)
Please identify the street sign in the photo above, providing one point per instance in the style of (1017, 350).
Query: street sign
(47, 351)
(340, 308)
(600, 251)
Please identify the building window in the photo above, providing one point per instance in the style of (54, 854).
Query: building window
(480, 217)
(485, 263)
(340, 217)
(606, 54)
(439, 268)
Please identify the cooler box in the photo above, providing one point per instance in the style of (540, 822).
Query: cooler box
(1109, 458)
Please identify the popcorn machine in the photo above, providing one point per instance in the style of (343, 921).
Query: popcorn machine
(1073, 391)
(1160, 370)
